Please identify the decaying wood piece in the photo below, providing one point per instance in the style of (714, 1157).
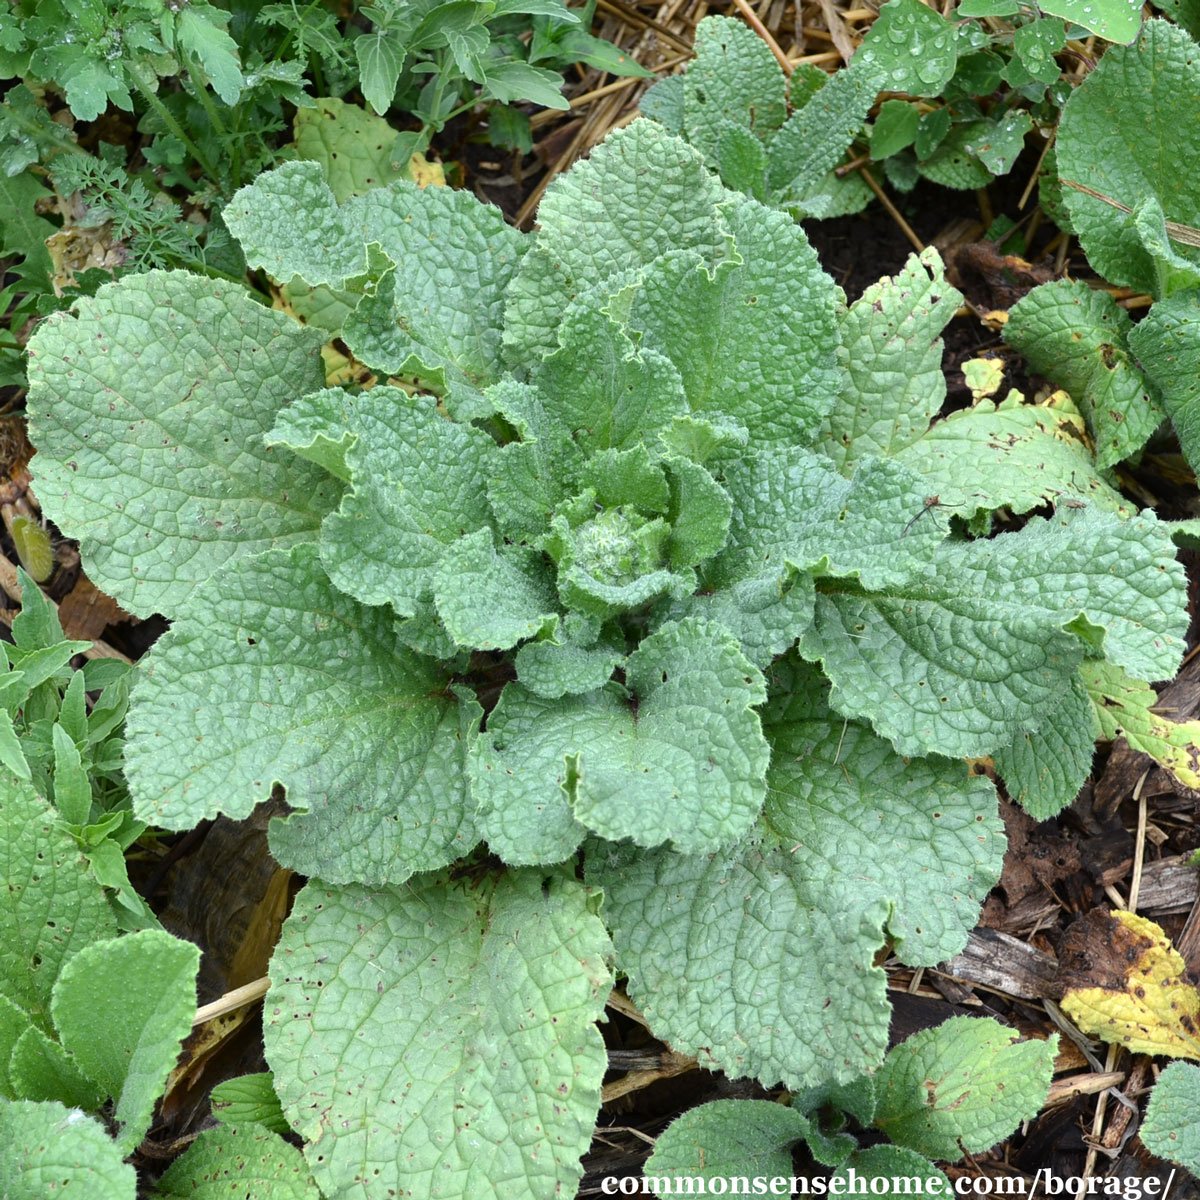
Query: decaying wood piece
(1001, 961)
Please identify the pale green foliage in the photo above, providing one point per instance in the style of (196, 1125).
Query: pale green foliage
(1142, 105)
(633, 467)
(48, 1149)
(1167, 343)
(1079, 339)
(1172, 1125)
(247, 1158)
(422, 1073)
(891, 1162)
(963, 1085)
(729, 1138)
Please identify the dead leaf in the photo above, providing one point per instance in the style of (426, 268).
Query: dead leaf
(1124, 983)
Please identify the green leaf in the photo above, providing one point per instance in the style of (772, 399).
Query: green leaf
(513, 81)
(894, 129)
(892, 351)
(1167, 344)
(1113, 20)
(953, 164)
(122, 1009)
(839, 793)
(815, 137)
(22, 230)
(437, 314)
(178, 377)
(1012, 602)
(380, 57)
(1171, 1128)
(784, 989)
(754, 339)
(490, 599)
(277, 676)
(72, 787)
(1045, 766)
(1034, 46)
(418, 483)
(443, 1033)
(684, 765)
(1141, 104)
(551, 670)
(998, 144)
(1011, 455)
(197, 33)
(249, 1158)
(911, 47)
(50, 907)
(962, 1085)
(641, 193)
(1079, 339)
(249, 1099)
(41, 1069)
(47, 1149)
(734, 79)
(14, 1023)
(356, 149)
(728, 1138)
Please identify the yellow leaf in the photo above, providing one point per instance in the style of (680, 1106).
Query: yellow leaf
(1124, 982)
(1123, 706)
(33, 547)
(425, 173)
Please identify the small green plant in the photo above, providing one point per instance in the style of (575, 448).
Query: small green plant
(652, 607)
(958, 1088)
(61, 731)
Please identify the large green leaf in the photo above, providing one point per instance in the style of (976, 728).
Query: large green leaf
(981, 646)
(1078, 338)
(278, 677)
(750, 961)
(1167, 343)
(641, 193)
(148, 404)
(417, 484)
(892, 349)
(49, 1150)
(122, 1009)
(921, 834)
(439, 1039)
(1131, 132)
(50, 905)
(435, 312)
(681, 760)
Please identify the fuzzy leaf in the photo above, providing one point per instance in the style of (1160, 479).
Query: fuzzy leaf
(753, 338)
(40, 1069)
(1171, 1128)
(148, 408)
(784, 990)
(991, 638)
(1142, 104)
(1167, 343)
(418, 483)
(891, 1163)
(442, 1034)
(436, 315)
(47, 1149)
(893, 355)
(50, 906)
(279, 677)
(921, 834)
(729, 1138)
(641, 193)
(912, 47)
(355, 148)
(249, 1100)
(247, 1157)
(962, 1085)
(122, 1009)
(685, 766)
(1078, 338)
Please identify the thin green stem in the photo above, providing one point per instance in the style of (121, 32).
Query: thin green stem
(165, 115)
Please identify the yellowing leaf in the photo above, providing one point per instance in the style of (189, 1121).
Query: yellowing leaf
(1124, 706)
(983, 376)
(1125, 983)
(33, 547)
(425, 173)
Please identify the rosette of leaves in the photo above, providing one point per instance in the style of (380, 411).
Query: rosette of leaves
(620, 562)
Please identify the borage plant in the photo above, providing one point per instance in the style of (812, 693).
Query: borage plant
(649, 570)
